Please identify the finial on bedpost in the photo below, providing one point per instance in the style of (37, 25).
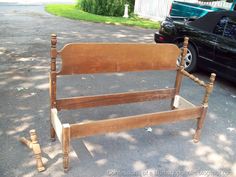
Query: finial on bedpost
(209, 89)
(212, 78)
(53, 40)
(53, 51)
(184, 52)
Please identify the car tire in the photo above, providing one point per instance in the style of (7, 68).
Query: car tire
(191, 58)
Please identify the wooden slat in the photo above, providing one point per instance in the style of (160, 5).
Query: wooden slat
(56, 123)
(181, 103)
(131, 122)
(86, 58)
(113, 99)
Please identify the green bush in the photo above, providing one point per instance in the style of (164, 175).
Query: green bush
(106, 7)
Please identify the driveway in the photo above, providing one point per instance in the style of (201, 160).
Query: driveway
(167, 150)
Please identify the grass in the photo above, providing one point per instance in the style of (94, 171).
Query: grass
(73, 12)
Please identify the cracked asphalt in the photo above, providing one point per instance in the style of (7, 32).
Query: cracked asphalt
(167, 150)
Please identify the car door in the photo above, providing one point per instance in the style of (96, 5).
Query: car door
(206, 45)
(225, 49)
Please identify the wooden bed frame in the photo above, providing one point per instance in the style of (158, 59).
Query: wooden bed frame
(92, 58)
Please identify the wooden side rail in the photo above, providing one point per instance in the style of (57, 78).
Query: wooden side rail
(131, 122)
(113, 99)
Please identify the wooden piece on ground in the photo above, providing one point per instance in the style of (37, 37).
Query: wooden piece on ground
(28, 143)
(34, 145)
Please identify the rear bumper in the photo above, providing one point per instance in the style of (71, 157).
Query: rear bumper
(159, 38)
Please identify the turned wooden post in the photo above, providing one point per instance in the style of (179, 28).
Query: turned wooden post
(53, 80)
(201, 119)
(66, 145)
(209, 89)
(179, 75)
(194, 78)
(34, 145)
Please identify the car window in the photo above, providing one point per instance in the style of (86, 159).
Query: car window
(219, 29)
(230, 30)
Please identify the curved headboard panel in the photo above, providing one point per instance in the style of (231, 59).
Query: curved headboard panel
(87, 58)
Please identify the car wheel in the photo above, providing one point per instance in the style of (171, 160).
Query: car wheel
(190, 61)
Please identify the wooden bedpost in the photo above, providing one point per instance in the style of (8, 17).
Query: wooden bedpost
(209, 89)
(53, 81)
(200, 121)
(179, 75)
(66, 145)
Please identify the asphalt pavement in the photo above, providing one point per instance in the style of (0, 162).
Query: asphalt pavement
(165, 150)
